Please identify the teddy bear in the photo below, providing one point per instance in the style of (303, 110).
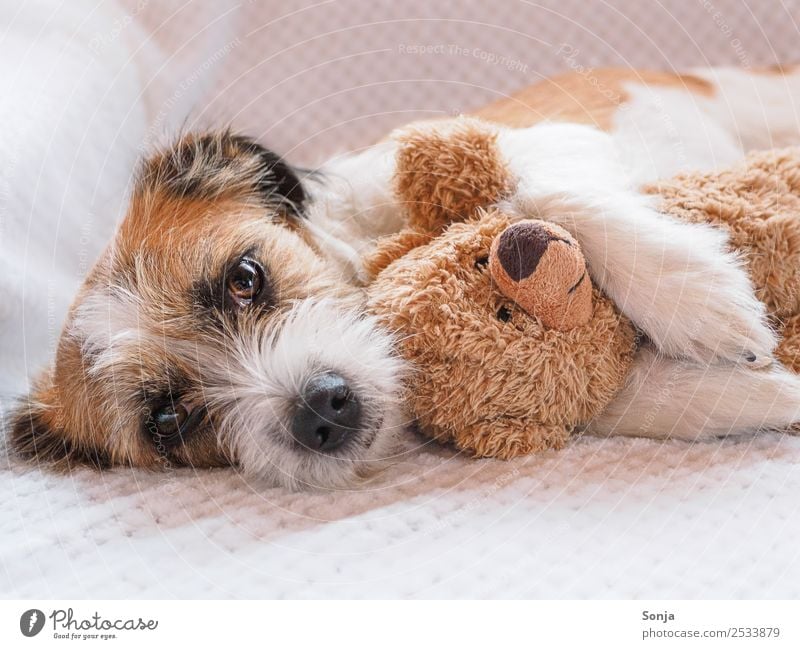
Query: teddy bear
(512, 347)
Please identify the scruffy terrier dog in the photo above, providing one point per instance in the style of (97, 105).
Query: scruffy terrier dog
(212, 332)
(223, 324)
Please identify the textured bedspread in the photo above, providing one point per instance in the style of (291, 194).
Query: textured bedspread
(603, 518)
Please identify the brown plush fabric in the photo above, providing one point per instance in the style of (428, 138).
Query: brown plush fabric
(393, 247)
(541, 268)
(758, 204)
(518, 250)
(501, 380)
(495, 385)
(447, 170)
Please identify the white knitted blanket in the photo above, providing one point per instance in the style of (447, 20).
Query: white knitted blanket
(603, 518)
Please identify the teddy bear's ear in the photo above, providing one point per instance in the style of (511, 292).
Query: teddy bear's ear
(540, 266)
(392, 247)
(446, 170)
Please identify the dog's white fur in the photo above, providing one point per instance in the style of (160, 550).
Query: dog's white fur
(667, 397)
(255, 387)
(252, 378)
(703, 372)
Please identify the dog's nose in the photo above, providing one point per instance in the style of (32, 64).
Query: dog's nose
(327, 415)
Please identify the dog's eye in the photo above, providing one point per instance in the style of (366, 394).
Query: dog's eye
(168, 422)
(245, 281)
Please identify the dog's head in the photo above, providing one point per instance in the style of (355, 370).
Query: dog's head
(213, 332)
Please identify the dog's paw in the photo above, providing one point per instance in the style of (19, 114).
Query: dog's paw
(736, 334)
(706, 310)
(675, 398)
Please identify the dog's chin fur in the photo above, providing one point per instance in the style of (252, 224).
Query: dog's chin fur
(347, 469)
(255, 392)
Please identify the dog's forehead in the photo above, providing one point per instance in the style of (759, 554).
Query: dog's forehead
(163, 234)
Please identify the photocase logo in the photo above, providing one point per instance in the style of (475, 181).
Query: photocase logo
(31, 622)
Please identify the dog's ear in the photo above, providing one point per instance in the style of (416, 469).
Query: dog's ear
(37, 435)
(277, 181)
(220, 165)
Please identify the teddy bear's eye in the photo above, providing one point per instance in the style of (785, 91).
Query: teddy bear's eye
(482, 262)
(503, 314)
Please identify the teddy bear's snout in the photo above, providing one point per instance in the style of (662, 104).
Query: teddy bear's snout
(540, 266)
(521, 247)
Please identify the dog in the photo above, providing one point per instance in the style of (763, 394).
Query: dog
(212, 331)
(224, 324)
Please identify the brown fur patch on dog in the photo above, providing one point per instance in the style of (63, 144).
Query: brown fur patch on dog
(776, 69)
(151, 319)
(585, 99)
(446, 173)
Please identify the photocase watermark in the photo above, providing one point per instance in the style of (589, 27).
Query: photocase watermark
(183, 87)
(666, 395)
(85, 257)
(65, 625)
(9, 175)
(454, 49)
(570, 54)
(31, 622)
(722, 24)
(168, 482)
(54, 297)
(100, 41)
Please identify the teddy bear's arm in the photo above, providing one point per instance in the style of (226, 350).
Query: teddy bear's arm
(676, 281)
(508, 437)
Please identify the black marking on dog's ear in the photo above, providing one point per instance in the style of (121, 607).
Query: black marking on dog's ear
(33, 439)
(221, 164)
(278, 182)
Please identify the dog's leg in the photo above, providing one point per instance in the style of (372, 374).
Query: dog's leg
(669, 398)
(676, 281)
